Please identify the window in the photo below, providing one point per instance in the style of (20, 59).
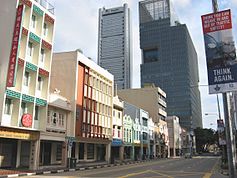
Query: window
(54, 119)
(33, 21)
(90, 151)
(45, 31)
(23, 108)
(8, 106)
(37, 113)
(144, 121)
(150, 55)
(59, 152)
(42, 55)
(30, 49)
(40, 83)
(119, 115)
(26, 78)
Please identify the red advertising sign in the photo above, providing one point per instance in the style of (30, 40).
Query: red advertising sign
(26, 120)
(14, 50)
(216, 21)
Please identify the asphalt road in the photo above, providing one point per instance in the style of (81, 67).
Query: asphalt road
(198, 167)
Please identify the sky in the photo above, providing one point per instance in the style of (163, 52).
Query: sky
(77, 27)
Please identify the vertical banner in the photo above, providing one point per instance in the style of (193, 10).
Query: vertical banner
(14, 50)
(220, 52)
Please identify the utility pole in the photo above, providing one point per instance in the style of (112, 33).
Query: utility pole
(228, 124)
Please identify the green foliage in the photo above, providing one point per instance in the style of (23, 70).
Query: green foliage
(205, 137)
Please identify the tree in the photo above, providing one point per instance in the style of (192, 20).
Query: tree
(205, 137)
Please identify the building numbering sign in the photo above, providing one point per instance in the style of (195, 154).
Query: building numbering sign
(220, 52)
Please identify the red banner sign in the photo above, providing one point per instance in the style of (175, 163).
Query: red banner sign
(13, 54)
(26, 120)
(27, 2)
(49, 19)
(216, 21)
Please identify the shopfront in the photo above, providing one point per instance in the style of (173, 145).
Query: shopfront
(17, 147)
(117, 149)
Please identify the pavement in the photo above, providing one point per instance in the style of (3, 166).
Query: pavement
(197, 167)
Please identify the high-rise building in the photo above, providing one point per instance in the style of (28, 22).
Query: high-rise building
(114, 44)
(27, 33)
(169, 60)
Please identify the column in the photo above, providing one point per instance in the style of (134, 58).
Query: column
(18, 155)
(34, 155)
(108, 152)
(64, 154)
(121, 153)
(85, 151)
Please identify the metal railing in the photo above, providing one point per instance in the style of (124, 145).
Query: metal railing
(46, 5)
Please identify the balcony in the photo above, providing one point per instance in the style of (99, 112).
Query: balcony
(46, 5)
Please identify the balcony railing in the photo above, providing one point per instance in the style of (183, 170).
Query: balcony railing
(46, 5)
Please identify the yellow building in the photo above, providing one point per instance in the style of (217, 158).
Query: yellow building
(27, 33)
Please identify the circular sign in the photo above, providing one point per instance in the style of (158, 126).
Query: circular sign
(26, 120)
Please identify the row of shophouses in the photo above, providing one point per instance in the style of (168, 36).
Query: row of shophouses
(54, 107)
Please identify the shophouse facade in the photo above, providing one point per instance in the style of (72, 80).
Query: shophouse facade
(117, 149)
(128, 137)
(53, 143)
(164, 150)
(26, 52)
(91, 96)
(174, 130)
(152, 138)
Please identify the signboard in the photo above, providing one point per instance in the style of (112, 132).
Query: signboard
(26, 120)
(220, 52)
(116, 142)
(15, 42)
(18, 134)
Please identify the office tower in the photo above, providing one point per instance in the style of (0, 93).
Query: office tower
(27, 33)
(114, 44)
(169, 60)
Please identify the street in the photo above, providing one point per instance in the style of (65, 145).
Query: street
(198, 167)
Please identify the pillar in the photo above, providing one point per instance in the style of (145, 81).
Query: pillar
(18, 154)
(64, 154)
(121, 153)
(108, 152)
(85, 151)
(77, 150)
(34, 155)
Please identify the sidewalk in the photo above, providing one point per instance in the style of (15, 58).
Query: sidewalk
(4, 173)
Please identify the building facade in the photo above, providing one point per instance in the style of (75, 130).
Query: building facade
(169, 60)
(128, 137)
(149, 98)
(174, 130)
(26, 44)
(117, 149)
(53, 143)
(91, 96)
(114, 44)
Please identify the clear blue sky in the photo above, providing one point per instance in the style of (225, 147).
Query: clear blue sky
(77, 27)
